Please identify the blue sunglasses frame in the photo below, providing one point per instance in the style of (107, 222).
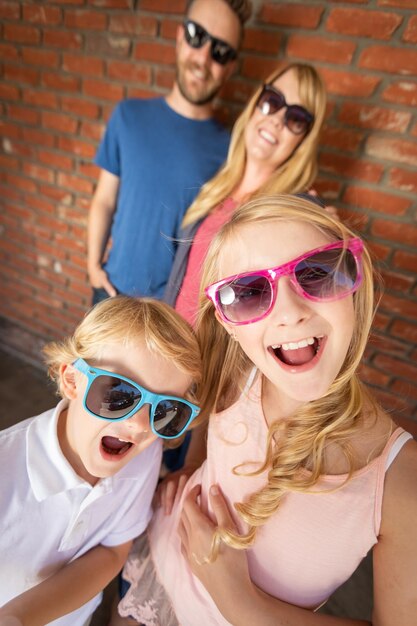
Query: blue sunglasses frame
(148, 397)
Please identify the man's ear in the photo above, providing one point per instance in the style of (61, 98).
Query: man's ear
(180, 34)
(68, 382)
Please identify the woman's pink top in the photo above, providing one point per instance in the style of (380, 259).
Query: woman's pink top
(187, 301)
(306, 550)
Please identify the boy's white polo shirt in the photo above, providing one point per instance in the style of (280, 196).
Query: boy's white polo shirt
(50, 516)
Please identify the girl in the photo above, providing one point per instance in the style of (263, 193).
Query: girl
(273, 149)
(313, 472)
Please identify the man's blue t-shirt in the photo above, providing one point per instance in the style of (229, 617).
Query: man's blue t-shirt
(162, 160)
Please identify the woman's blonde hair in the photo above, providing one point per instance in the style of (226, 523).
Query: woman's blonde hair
(124, 320)
(299, 170)
(330, 419)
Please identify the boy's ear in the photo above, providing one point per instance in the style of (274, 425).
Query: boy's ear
(68, 382)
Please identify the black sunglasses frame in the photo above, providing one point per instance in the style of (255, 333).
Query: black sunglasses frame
(290, 109)
(221, 52)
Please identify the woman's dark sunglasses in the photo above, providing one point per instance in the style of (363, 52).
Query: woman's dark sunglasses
(297, 119)
(196, 36)
(113, 397)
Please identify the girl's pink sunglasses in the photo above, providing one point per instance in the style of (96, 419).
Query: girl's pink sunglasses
(327, 273)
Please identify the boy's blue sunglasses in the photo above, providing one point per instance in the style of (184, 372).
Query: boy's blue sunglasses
(112, 397)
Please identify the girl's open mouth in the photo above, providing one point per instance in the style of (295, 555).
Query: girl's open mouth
(298, 354)
(115, 447)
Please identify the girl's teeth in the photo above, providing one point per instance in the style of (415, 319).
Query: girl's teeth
(295, 345)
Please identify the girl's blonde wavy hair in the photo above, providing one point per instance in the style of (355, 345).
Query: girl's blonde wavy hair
(330, 419)
(295, 175)
(124, 320)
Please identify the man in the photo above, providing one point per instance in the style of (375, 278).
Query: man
(157, 153)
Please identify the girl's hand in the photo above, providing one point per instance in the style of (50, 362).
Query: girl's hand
(226, 578)
(171, 488)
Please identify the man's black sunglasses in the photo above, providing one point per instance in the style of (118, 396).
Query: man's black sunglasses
(196, 36)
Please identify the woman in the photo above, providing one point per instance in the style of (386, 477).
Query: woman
(273, 149)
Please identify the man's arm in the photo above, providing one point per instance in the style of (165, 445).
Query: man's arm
(68, 589)
(101, 214)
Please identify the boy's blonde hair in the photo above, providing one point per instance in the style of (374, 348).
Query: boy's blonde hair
(298, 172)
(124, 320)
(330, 419)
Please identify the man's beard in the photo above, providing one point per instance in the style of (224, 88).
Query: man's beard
(199, 97)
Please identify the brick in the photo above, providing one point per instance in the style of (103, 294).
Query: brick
(363, 23)
(350, 167)
(402, 4)
(59, 122)
(402, 92)
(163, 78)
(77, 147)
(380, 322)
(400, 307)
(42, 14)
(62, 39)
(164, 6)
(168, 29)
(389, 59)
(36, 137)
(392, 403)
(300, 15)
(102, 89)
(366, 116)
(392, 149)
(91, 130)
(12, 131)
(405, 261)
(84, 19)
(134, 25)
(21, 33)
(9, 10)
(155, 53)
(406, 390)
(398, 282)
(37, 172)
(23, 114)
(410, 33)
(374, 200)
(42, 99)
(257, 68)
(374, 376)
(21, 183)
(261, 40)
(56, 194)
(404, 180)
(400, 367)
(53, 159)
(345, 83)
(8, 52)
(24, 75)
(404, 330)
(401, 232)
(9, 162)
(347, 140)
(319, 48)
(36, 56)
(108, 46)
(79, 107)
(83, 64)
(75, 183)
(112, 4)
(37, 203)
(60, 82)
(130, 72)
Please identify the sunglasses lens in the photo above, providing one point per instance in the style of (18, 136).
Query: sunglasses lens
(246, 298)
(111, 397)
(270, 102)
(298, 120)
(195, 36)
(171, 418)
(327, 275)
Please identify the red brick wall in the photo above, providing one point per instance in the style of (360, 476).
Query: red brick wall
(66, 63)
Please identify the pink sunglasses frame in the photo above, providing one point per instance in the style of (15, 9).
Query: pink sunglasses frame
(354, 245)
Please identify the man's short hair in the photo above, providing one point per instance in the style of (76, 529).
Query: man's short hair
(242, 8)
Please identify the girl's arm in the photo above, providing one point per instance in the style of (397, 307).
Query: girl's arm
(228, 581)
(68, 589)
(172, 486)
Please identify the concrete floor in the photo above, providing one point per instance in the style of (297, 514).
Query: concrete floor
(25, 391)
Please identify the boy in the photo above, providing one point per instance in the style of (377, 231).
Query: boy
(78, 480)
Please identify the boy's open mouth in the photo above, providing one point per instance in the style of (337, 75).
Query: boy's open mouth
(297, 352)
(115, 446)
